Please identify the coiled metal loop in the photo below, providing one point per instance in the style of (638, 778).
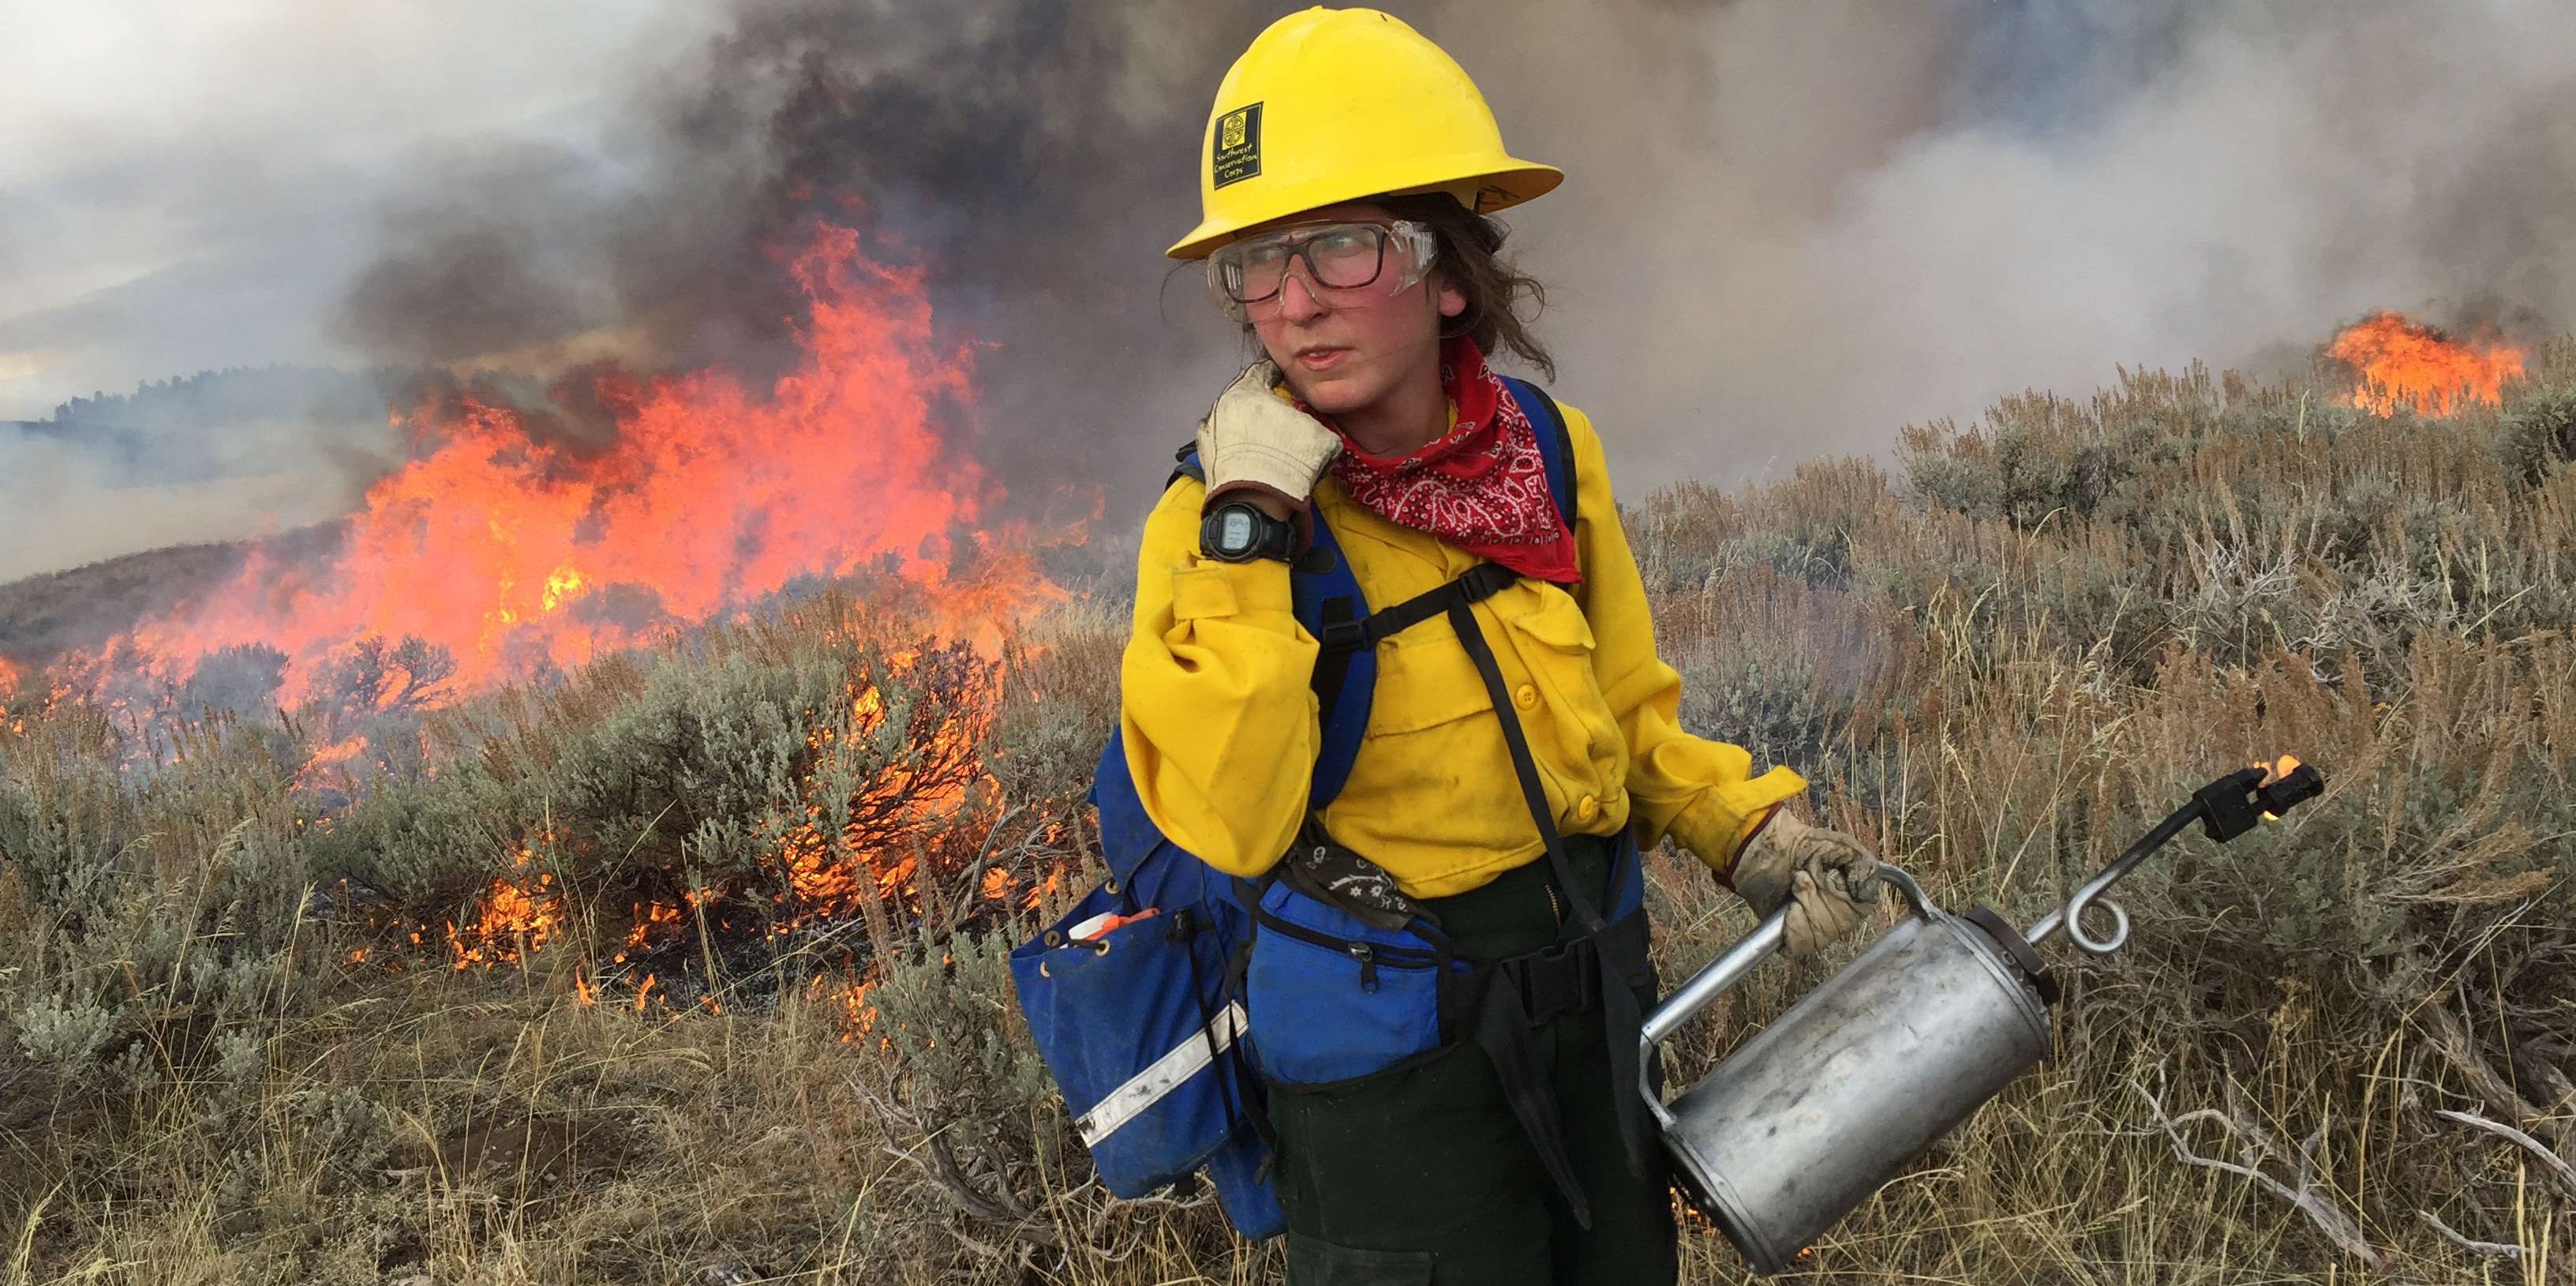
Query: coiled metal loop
(2086, 900)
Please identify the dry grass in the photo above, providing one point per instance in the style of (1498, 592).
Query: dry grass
(2000, 666)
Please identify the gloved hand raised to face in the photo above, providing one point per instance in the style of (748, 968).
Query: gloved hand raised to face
(1253, 439)
(1832, 879)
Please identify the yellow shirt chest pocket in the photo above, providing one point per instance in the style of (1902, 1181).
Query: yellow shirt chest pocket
(1424, 680)
(1427, 682)
(1572, 728)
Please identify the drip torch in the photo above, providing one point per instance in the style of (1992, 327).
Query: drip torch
(1812, 1114)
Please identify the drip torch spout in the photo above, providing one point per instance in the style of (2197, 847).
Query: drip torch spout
(2225, 809)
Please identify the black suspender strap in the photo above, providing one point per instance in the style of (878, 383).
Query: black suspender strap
(1344, 636)
(1506, 1002)
(1333, 664)
(1472, 638)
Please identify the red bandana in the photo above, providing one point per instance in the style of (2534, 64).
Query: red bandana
(1482, 486)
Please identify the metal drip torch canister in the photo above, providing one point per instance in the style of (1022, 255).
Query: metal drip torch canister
(1814, 1113)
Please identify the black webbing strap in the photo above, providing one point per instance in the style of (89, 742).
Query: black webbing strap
(1333, 665)
(1475, 585)
(1505, 1017)
(1472, 638)
(1625, 970)
(1503, 1032)
(1508, 1000)
(1347, 634)
(1247, 894)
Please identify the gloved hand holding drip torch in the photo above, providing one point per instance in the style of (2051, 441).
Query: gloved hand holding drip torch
(1828, 875)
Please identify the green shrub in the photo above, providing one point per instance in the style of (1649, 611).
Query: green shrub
(2540, 432)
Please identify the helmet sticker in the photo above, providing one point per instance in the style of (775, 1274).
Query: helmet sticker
(1237, 146)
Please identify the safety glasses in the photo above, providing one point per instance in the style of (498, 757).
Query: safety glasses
(1338, 256)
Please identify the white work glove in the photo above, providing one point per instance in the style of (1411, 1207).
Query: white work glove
(1253, 438)
(1832, 879)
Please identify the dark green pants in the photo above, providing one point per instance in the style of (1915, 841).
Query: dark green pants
(1424, 1176)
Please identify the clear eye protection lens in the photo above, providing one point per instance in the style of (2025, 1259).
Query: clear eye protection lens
(1344, 256)
(1417, 248)
(1225, 285)
(1347, 258)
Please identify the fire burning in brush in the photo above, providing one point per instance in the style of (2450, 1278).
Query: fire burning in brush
(516, 917)
(873, 838)
(507, 557)
(2402, 363)
(498, 555)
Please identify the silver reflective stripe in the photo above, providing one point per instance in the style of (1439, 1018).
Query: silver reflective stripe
(1146, 1088)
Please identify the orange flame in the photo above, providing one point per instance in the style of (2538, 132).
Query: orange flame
(857, 1014)
(518, 555)
(515, 918)
(2406, 364)
(2275, 771)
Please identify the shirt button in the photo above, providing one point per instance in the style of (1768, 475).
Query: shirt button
(1587, 809)
(1526, 698)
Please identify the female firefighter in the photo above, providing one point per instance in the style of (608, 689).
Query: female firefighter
(1346, 178)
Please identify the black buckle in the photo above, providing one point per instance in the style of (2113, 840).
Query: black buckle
(1345, 636)
(1484, 580)
(1558, 980)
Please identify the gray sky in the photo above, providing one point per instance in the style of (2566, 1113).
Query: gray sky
(188, 184)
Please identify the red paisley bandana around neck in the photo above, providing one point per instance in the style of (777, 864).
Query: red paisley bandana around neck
(1482, 486)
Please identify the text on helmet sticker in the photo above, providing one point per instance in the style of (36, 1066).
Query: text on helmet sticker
(1237, 146)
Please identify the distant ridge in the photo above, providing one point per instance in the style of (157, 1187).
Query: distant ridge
(46, 617)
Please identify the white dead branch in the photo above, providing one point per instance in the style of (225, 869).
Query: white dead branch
(2458, 1046)
(2339, 1228)
(2550, 1162)
(995, 1206)
(2491, 1249)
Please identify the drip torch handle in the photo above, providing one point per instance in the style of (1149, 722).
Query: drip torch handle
(1719, 976)
(1712, 981)
(2225, 808)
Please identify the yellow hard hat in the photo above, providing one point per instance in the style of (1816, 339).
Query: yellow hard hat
(1332, 105)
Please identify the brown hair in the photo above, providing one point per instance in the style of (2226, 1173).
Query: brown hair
(1471, 260)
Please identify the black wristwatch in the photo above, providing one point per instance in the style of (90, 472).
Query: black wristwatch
(1238, 532)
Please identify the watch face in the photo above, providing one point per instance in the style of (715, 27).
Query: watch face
(1234, 531)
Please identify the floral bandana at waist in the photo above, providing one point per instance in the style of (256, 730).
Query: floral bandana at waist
(1482, 486)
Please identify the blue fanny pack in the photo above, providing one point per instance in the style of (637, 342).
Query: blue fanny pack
(1159, 1032)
